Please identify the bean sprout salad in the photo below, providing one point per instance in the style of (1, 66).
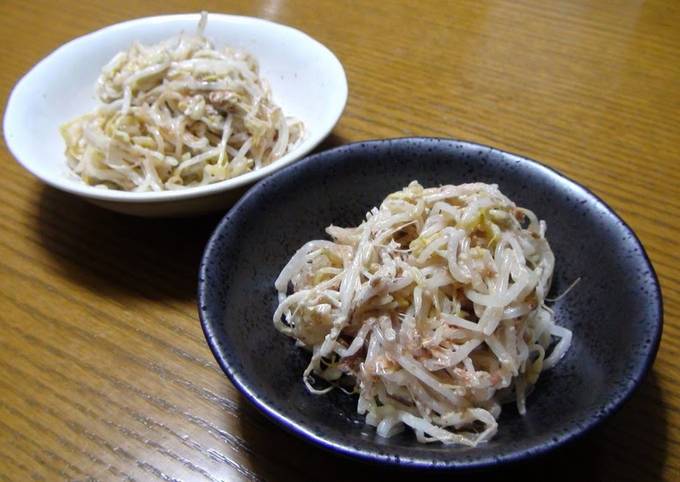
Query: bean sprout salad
(433, 310)
(178, 114)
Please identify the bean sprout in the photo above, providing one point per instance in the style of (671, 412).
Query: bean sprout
(432, 310)
(178, 114)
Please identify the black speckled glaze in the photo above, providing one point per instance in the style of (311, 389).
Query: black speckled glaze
(615, 312)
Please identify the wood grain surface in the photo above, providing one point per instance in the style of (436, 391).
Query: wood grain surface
(104, 371)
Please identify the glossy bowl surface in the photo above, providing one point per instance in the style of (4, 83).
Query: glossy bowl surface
(306, 78)
(615, 311)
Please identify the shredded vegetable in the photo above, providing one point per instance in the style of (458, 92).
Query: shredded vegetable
(432, 311)
(178, 114)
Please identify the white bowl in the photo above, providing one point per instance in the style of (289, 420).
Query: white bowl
(307, 81)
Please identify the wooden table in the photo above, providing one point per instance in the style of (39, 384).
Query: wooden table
(105, 373)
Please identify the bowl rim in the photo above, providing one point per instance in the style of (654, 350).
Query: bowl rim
(61, 182)
(593, 420)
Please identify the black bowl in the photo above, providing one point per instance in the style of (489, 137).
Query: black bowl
(615, 311)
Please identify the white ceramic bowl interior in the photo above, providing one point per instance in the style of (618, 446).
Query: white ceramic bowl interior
(307, 81)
